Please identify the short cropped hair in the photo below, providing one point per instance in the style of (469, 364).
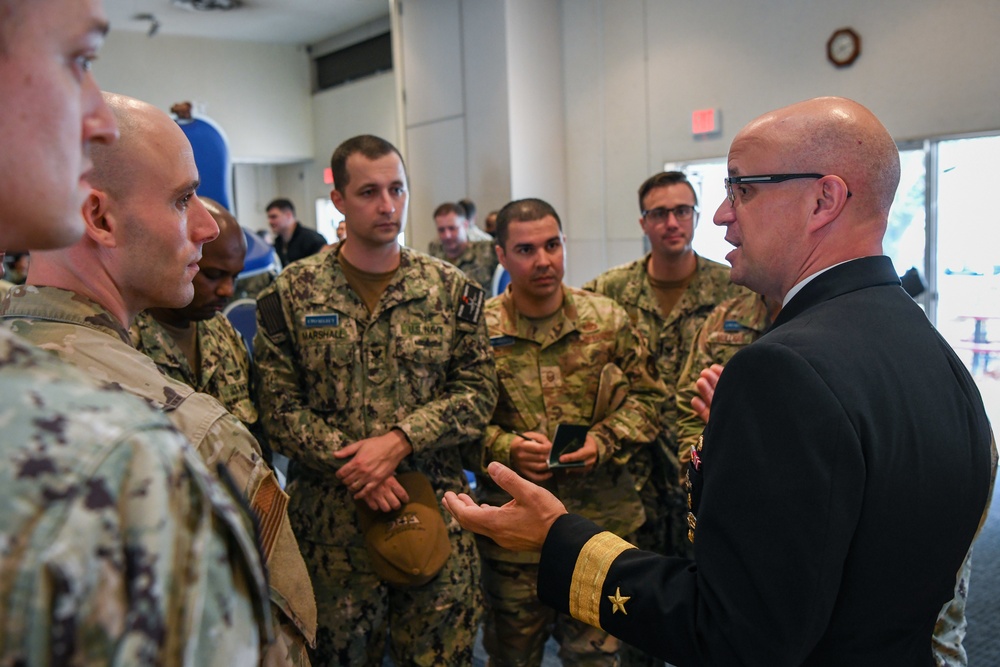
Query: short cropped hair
(282, 204)
(662, 180)
(369, 145)
(449, 207)
(522, 210)
(469, 206)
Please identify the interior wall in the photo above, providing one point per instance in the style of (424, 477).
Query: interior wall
(537, 117)
(434, 112)
(258, 93)
(636, 69)
(254, 186)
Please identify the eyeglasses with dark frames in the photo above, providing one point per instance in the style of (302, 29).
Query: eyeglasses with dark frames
(763, 178)
(660, 214)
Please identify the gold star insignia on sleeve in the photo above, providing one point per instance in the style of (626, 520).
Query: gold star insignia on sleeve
(618, 602)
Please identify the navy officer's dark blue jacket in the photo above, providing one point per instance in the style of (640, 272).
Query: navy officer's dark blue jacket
(841, 479)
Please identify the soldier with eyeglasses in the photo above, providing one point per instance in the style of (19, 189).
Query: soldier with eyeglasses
(668, 294)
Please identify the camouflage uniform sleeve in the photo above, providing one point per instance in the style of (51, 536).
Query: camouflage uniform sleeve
(495, 447)
(689, 425)
(464, 407)
(290, 426)
(139, 566)
(636, 421)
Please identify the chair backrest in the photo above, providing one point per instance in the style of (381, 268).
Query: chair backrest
(500, 279)
(242, 313)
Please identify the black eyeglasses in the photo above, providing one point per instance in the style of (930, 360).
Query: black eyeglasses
(659, 215)
(764, 178)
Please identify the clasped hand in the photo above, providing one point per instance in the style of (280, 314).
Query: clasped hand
(370, 474)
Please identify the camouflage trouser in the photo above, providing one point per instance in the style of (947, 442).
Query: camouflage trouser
(433, 624)
(517, 624)
(664, 500)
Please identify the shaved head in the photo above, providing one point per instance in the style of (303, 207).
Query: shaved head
(114, 170)
(834, 135)
(230, 231)
(144, 225)
(784, 231)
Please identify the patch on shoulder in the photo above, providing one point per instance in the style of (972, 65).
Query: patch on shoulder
(272, 316)
(471, 302)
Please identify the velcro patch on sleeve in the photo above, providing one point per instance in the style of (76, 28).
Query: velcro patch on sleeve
(470, 307)
(272, 316)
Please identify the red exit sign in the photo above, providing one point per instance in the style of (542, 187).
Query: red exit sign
(705, 121)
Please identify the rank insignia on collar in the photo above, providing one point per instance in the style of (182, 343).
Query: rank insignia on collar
(618, 601)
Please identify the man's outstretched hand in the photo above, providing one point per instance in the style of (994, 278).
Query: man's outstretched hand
(520, 525)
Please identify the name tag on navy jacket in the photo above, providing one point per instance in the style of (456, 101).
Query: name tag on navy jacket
(330, 320)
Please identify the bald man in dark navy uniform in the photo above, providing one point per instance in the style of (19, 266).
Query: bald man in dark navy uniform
(848, 458)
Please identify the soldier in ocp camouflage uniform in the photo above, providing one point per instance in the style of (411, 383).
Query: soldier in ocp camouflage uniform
(94, 336)
(373, 359)
(734, 324)
(475, 257)
(478, 261)
(564, 356)
(672, 272)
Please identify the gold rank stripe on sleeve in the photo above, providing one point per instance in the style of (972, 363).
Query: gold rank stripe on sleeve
(589, 574)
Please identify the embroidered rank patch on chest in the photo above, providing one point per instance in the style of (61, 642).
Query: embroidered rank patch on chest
(325, 320)
(551, 377)
(470, 307)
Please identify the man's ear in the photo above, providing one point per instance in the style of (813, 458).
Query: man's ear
(831, 197)
(501, 255)
(337, 199)
(100, 223)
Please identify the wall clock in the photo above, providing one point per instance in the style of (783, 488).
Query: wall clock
(843, 47)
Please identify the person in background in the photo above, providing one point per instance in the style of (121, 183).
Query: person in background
(490, 223)
(565, 358)
(731, 326)
(118, 548)
(292, 241)
(468, 208)
(827, 449)
(80, 301)
(476, 259)
(668, 293)
(374, 363)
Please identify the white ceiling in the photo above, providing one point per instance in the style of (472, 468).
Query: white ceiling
(278, 21)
